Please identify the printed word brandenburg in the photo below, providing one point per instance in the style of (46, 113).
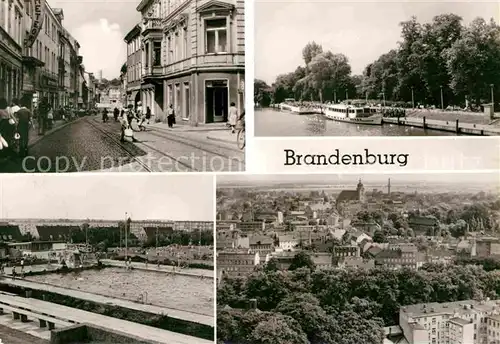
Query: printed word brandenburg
(292, 158)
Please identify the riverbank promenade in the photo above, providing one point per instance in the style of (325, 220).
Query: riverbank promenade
(460, 123)
(161, 268)
(101, 299)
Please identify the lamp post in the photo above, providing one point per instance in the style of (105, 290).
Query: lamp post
(442, 101)
(492, 97)
(127, 224)
(412, 98)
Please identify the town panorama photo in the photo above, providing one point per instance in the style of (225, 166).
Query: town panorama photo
(134, 86)
(84, 260)
(374, 68)
(372, 259)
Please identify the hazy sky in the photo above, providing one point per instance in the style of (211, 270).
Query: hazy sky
(489, 179)
(144, 197)
(360, 30)
(100, 26)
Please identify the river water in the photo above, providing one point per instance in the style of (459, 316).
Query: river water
(270, 122)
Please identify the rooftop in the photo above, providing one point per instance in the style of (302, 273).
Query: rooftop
(460, 307)
(460, 321)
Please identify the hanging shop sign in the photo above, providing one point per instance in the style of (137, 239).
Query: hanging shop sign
(36, 24)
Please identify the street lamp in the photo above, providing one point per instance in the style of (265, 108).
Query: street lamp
(442, 102)
(127, 224)
(412, 98)
(492, 97)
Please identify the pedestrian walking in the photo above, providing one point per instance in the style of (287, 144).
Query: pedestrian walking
(148, 115)
(50, 119)
(116, 113)
(142, 119)
(126, 132)
(7, 127)
(233, 117)
(43, 111)
(24, 118)
(171, 116)
(104, 115)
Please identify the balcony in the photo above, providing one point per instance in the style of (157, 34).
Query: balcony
(178, 66)
(152, 27)
(220, 60)
(210, 61)
(11, 44)
(152, 73)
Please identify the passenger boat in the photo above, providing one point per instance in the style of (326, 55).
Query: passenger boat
(290, 105)
(352, 114)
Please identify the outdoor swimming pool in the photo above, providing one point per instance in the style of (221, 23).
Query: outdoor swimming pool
(160, 289)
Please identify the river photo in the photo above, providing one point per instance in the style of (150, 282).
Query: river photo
(270, 122)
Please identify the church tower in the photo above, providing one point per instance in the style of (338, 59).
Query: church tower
(361, 191)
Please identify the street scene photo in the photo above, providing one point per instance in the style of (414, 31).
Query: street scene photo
(394, 68)
(371, 259)
(84, 259)
(140, 86)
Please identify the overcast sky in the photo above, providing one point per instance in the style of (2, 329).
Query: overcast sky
(100, 26)
(489, 179)
(360, 30)
(108, 197)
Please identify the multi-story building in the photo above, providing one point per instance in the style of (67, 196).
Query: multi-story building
(459, 322)
(400, 256)
(251, 226)
(236, 263)
(12, 34)
(341, 253)
(261, 244)
(322, 260)
(192, 58)
(194, 226)
(52, 66)
(134, 65)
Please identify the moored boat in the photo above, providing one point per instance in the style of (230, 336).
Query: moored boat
(291, 105)
(352, 114)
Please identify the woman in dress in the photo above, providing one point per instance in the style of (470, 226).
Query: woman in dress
(233, 116)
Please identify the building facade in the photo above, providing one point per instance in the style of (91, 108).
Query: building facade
(236, 263)
(460, 322)
(192, 58)
(134, 66)
(11, 48)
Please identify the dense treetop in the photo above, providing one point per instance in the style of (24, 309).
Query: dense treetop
(444, 55)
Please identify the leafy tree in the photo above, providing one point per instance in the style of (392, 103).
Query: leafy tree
(301, 260)
(272, 265)
(278, 329)
(262, 93)
(123, 70)
(310, 51)
(379, 236)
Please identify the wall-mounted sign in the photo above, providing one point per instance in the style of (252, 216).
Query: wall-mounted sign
(36, 24)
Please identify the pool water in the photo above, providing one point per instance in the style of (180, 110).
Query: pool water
(160, 289)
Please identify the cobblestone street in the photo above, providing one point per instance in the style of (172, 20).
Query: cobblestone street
(90, 145)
